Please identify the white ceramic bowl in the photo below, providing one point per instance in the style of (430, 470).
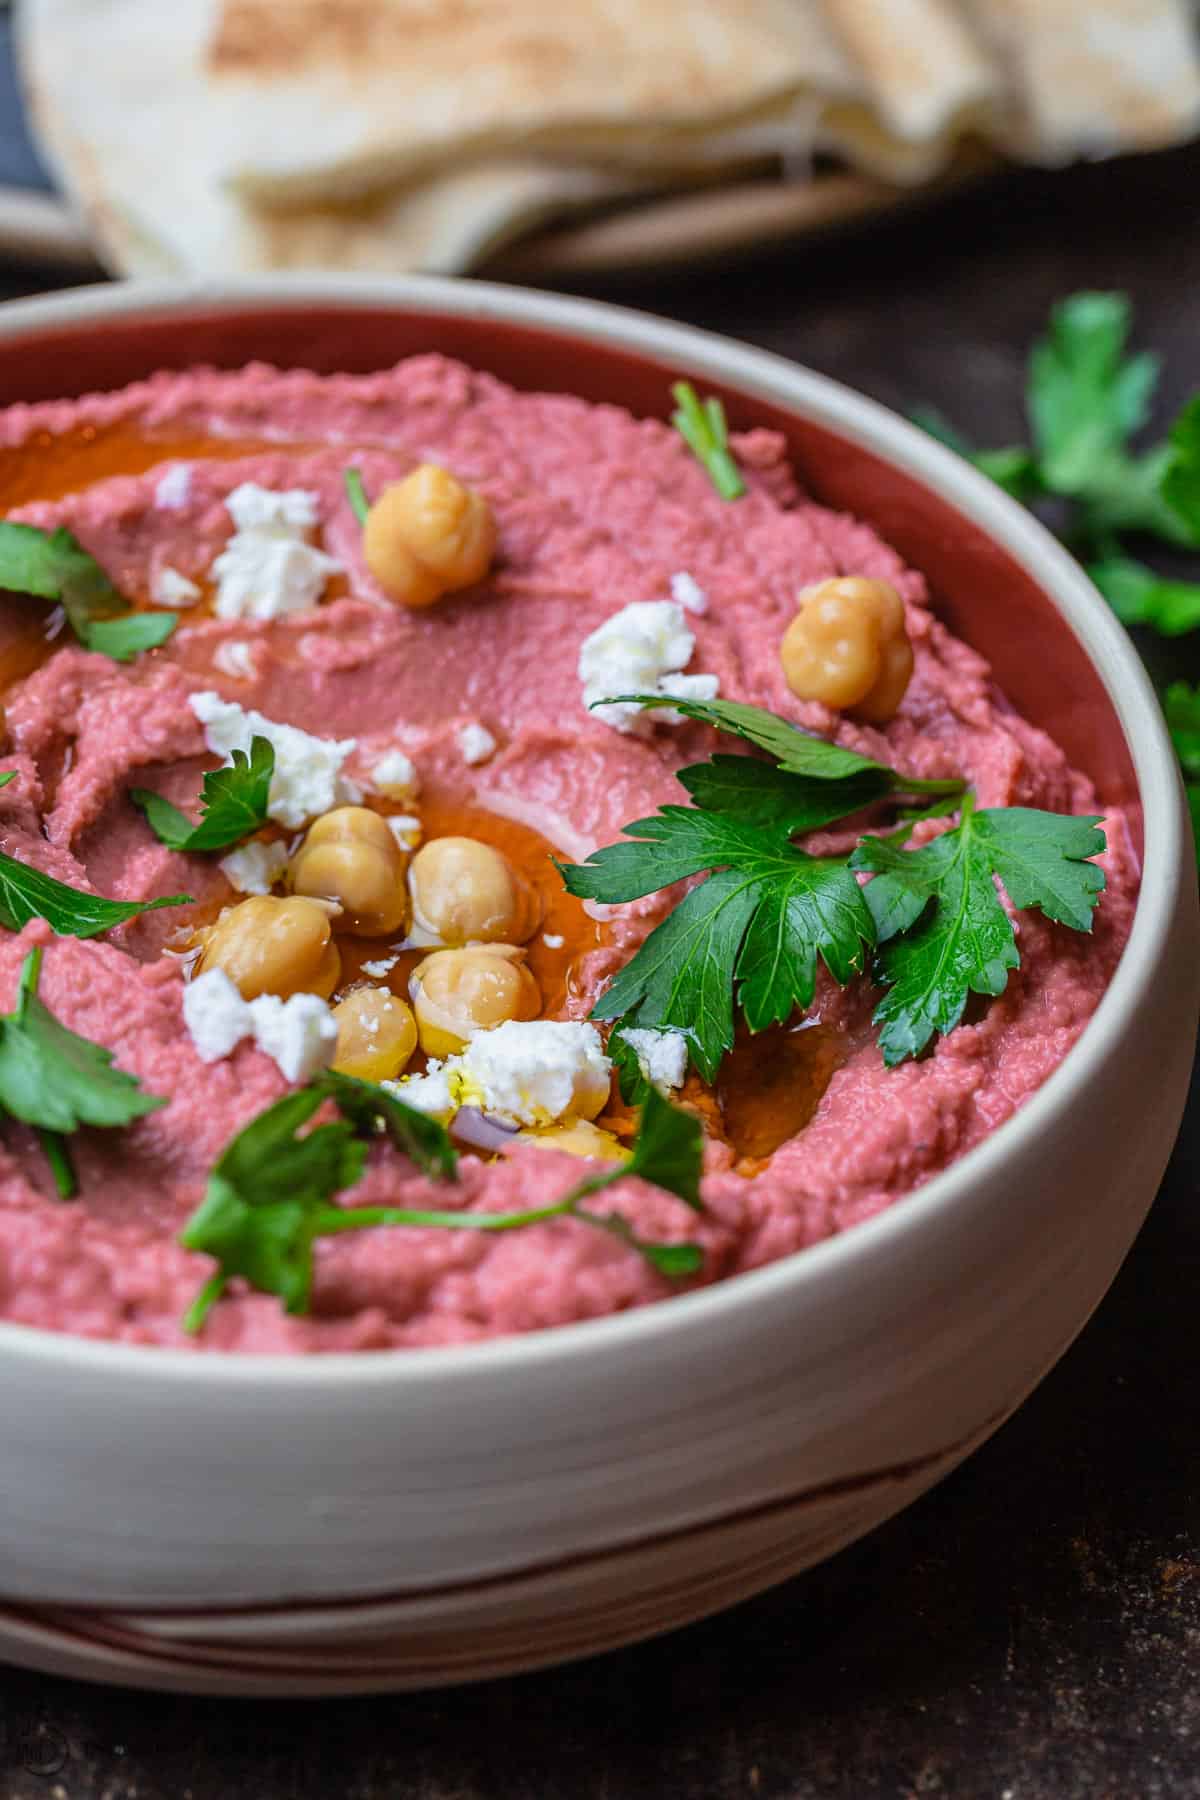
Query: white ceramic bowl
(265, 1524)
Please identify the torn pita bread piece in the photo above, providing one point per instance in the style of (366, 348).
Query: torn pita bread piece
(228, 136)
(357, 95)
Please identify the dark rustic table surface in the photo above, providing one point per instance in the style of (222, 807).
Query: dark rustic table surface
(1031, 1629)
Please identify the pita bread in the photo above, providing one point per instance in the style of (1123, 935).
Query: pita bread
(243, 135)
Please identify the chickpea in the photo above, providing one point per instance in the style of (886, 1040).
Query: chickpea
(377, 1034)
(848, 648)
(579, 1138)
(271, 946)
(456, 993)
(428, 535)
(350, 856)
(464, 891)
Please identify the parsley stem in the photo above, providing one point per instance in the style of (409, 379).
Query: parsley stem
(703, 429)
(59, 1157)
(204, 1302)
(356, 494)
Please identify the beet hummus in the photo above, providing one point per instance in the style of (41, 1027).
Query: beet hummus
(465, 717)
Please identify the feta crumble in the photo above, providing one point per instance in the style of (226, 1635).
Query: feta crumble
(172, 588)
(662, 1056)
(641, 650)
(236, 658)
(381, 967)
(429, 1093)
(394, 775)
(256, 867)
(476, 743)
(535, 1071)
(552, 940)
(307, 779)
(174, 488)
(299, 1034)
(687, 592)
(269, 568)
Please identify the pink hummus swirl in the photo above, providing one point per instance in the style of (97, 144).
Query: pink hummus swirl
(594, 509)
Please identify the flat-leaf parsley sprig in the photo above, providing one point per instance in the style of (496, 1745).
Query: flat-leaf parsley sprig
(55, 1080)
(1086, 398)
(53, 565)
(233, 803)
(752, 932)
(270, 1194)
(938, 919)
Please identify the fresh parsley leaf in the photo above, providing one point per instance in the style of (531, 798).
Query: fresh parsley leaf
(763, 794)
(356, 494)
(755, 928)
(54, 1079)
(269, 1196)
(233, 801)
(632, 1083)
(1181, 706)
(942, 929)
(1139, 596)
(266, 1200)
(122, 639)
(7, 776)
(372, 1109)
(794, 750)
(53, 565)
(25, 893)
(1085, 396)
(702, 426)
(1180, 479)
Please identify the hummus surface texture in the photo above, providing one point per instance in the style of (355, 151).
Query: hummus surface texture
(595, 509)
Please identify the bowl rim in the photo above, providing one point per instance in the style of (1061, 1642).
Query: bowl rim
(869, 425)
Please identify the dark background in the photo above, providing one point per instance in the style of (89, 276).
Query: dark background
(1030, 1630)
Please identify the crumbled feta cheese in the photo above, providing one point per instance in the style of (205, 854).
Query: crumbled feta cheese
(476, 743)
(638, 651)
(256, 867)
(406, 829)
(687, 592)
(174, 487)
(395, 776)
(429, 1093)
(171, 588)
(534, 1072)
(236, 658)
(552, 940)
(299, 1034)
(268, 567)
(215, 1014)
(307, 779)
(662, 1056)
(381, 967)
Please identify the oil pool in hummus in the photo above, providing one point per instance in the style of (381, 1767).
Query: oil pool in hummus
(440, 653)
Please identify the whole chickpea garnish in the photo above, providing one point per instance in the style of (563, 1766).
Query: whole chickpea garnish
(428, 535)
(847, 647)
(351, 857)
(464, 891)
(377, 1034)
(271, 946)
(456, 993)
